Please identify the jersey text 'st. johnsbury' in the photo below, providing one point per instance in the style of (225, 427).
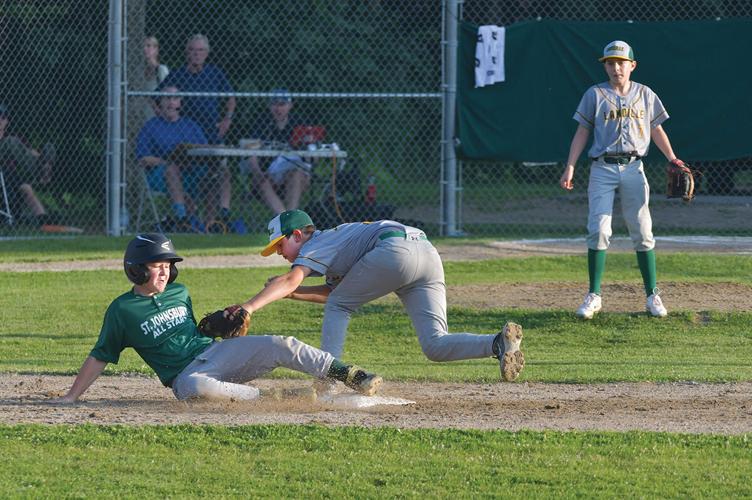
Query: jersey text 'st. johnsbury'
(161, 328)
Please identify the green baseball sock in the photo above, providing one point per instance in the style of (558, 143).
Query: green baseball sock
(338, 370)
(646, 261)
(596, 260)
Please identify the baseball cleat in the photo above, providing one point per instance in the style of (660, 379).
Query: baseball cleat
(655, 307)
(362, 381)
(590, 306)
(511, 361)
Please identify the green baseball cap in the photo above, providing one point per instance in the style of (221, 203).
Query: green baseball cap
(283, 225)
(618, 49)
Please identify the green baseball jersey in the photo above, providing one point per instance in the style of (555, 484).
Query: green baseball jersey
(161, 328)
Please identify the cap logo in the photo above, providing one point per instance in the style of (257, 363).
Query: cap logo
(166, 245)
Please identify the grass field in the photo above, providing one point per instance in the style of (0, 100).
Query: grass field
(51, 319)
(319, 462)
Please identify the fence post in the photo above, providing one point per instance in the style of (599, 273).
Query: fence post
(114, 116)
(449, 93)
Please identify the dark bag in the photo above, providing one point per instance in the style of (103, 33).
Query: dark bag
(351, 203)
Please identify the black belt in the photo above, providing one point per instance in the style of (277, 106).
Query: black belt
(618, 159)
(402, 234)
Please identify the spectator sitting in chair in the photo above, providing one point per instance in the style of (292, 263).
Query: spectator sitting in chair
(155, 145)
(24, 167)
(287, 172)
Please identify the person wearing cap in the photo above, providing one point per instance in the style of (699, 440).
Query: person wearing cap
(364, 261)
(155, 318)
(23, 167)
(288, 173)
(624, 116)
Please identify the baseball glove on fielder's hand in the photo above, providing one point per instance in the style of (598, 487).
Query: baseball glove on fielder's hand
(179, 155)
(227, 323)
(680, 180)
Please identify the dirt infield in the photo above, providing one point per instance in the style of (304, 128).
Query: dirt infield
(688, 407)
(676, 407)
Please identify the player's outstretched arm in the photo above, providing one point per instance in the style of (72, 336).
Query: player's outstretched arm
(317, 293)
(90, 370)
(278, 288)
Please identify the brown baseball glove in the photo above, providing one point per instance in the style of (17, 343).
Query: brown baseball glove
(227, 323)
(179, 155)
(680, 180)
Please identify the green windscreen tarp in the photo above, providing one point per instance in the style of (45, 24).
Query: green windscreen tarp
(699, 69)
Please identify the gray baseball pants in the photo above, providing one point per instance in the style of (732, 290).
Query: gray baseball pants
(629, 179)
(412, 269)
(220, 371)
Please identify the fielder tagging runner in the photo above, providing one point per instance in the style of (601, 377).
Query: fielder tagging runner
(624, 116)
(156, 319)
(365, 261)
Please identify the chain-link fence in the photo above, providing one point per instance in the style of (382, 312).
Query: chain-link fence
(361, 80)
(53, 68)
(358, 78)
(523, 198)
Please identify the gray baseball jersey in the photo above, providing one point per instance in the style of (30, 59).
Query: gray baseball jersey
(621, 127)
(620, 124)
(365, 261)
(333, 252)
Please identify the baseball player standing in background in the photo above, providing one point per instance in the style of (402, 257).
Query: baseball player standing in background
(156, 319)
(365, 261)
(624, 116)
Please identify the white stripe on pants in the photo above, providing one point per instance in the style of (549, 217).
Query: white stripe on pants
(413, 270)
(634, 191)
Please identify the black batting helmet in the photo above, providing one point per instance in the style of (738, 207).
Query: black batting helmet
(145, 248)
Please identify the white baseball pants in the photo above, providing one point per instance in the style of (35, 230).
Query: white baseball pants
(629, 179)
(220, 371)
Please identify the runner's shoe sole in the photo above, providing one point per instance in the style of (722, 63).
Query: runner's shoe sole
(363, 382)
(512, 361)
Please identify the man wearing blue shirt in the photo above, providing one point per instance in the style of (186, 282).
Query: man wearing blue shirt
(199, 76)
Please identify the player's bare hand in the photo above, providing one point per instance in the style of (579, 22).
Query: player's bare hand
(566, 178)
(229, 311)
